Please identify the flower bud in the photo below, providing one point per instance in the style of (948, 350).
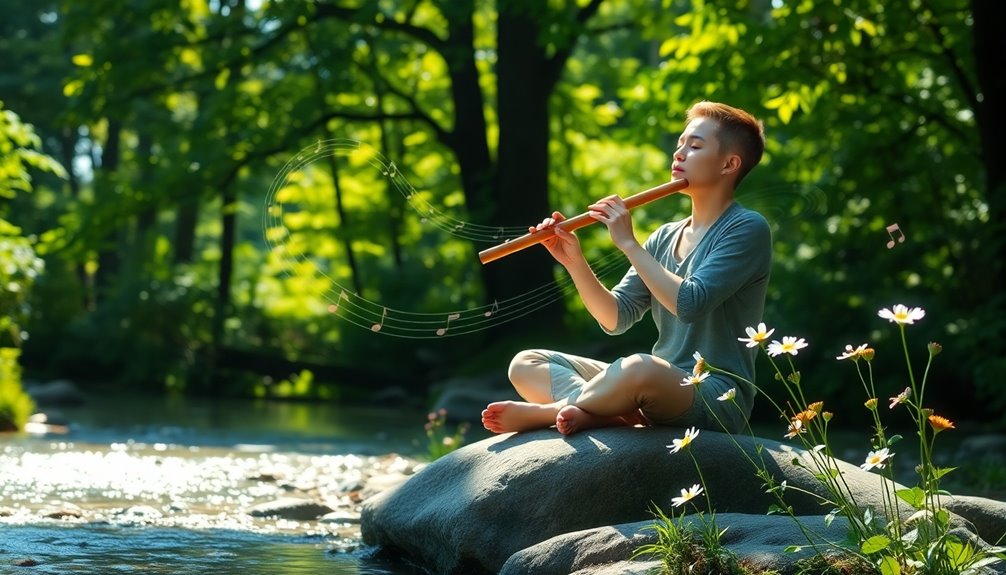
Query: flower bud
(868, 353)
(827, 415)
(871, 403)
(934, 349)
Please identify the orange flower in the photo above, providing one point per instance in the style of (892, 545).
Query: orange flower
(816, 406)
(939, 423)
(806, 416)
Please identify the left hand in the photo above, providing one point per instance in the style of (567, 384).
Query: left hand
(613, 213)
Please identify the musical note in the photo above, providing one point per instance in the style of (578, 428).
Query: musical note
(496, 308)
(378, 326)
(459, 227)
(335, 306)
(498, 234)
(443, 330)
(391, 171)
(890, 231)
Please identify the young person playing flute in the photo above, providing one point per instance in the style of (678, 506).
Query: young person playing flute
(703, 279)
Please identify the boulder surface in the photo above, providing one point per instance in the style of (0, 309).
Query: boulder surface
(557, 504)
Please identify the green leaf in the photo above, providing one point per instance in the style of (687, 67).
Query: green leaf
(941, 471)
(894, 439)
(889, 566)
(793, 549)
(875, 544)
(959, 554)
(915, 496)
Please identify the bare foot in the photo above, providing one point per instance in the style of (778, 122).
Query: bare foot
(572, 419)
(505, 416)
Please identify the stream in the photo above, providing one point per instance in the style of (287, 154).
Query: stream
(171, 485)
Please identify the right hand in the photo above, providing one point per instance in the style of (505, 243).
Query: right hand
(564, 246)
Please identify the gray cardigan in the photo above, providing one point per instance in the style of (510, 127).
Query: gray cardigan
(725, 279)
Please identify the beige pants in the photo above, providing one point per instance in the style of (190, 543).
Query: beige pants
(569, 373)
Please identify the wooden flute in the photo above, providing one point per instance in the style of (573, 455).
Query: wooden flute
(576, 222)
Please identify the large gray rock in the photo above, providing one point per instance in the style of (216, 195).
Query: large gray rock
(470, 511)
(756, 539)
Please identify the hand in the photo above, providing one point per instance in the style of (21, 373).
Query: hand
(564, 246)
(613, 213)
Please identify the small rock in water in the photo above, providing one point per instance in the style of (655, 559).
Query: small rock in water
(341, 517)
(6, 512)
(142, 512)
(290, 508)
(27, 562)
(66, 511)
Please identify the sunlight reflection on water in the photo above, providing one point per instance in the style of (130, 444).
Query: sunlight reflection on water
(162, 487)
(109, 549)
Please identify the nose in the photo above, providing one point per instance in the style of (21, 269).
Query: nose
(679, 155)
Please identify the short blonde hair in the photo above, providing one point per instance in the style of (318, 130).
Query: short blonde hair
(739, 132)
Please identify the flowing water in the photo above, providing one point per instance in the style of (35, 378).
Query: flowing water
(152, 485)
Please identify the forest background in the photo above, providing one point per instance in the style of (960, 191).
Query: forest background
(254, 198)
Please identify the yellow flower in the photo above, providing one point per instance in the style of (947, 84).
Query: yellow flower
(678, 444)
(901, 397)
(853, 354)
(695, 380)
(790, 345)
(756, 336)
(700, 364)
(687, 495)
(939, 423)
(902, 315)
(795, 428)
(728, 395)
(876, 459)
(871, 403)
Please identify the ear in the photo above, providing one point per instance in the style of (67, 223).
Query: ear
(731, 164)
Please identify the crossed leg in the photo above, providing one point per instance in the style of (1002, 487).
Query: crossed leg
(630, 391)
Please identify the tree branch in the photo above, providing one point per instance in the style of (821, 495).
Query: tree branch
(355, 15)
(557, 62)
(951, 58)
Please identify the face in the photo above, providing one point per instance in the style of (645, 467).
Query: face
(698, 157)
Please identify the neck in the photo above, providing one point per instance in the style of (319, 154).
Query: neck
(708, 205)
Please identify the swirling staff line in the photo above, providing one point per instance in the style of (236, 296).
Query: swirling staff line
(766, 199)
(395, 322)
(466, 321)
(386, 319)
(460, 228)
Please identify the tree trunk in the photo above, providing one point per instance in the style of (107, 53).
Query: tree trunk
(108, 255)
(989, 45)
(521, 195)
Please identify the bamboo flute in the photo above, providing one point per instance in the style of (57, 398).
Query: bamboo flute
(576, 222)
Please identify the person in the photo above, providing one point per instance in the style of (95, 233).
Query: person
(703, 279)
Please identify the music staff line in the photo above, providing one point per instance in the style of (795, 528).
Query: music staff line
(428, 212)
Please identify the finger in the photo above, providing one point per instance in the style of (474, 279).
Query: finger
(557, 216)
(564, 235)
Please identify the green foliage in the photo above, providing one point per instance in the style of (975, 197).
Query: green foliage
(176, 118)
(15, 404)
(883, 538)
(685, 550)
(19, 266)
